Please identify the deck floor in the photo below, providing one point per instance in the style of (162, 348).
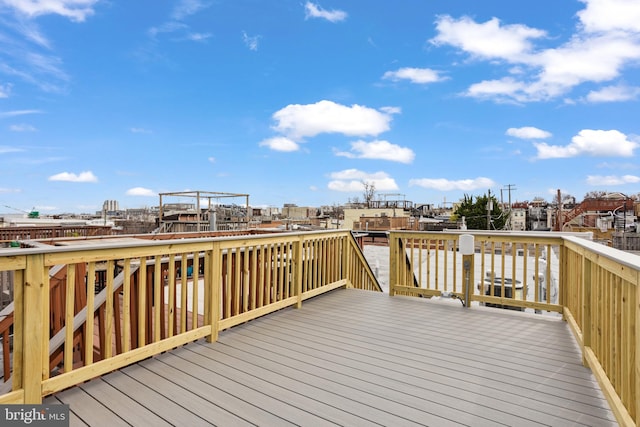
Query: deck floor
(357, 358)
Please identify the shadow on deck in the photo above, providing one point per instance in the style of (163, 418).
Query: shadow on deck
(358, 358)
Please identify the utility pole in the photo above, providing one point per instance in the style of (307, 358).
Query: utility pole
(509, 188)
(559, 219)
(489, 209)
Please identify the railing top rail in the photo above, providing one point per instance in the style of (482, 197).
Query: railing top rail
(120, 242)
(549, 234)
(621, 257)
(284, 233)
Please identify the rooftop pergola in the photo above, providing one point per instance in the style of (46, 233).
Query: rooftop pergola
(199, 195)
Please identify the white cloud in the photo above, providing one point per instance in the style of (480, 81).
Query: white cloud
(487, 40)
(15, 113)
(27, 29)
(506, 89)
(528, 132)
(167, 27)
(415, 75)
(352, 180)
(280, 143)
(613, 94)
(9, 190)
(596, 143)
(4, 149)
(46, 65)
(612, 180)
(22, 128)
(86, 176)
(299, 121)
(181, 11)
(140, 191)
(41, 70)
(604, 42)
(211, 159)
(583, 59)
(313, 10)
(76, 10)
(610, 15)
(139, 130)
(250, 41)
(26, 51)
(199, 37)
(379, 149)
(391, 110)
(188, 7)
(5, 90)
(443, 184)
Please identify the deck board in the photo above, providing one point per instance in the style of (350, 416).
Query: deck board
(216, 394)
(183, 397)
(450, 384)
(84, 408)
(337, 405)
(358, 358)
(146, 395)
(410, 379)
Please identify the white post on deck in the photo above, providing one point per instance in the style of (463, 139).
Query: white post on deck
(467, 249)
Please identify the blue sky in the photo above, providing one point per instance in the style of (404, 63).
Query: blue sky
(302, 102)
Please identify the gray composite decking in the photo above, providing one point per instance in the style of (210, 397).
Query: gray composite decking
(358, 358)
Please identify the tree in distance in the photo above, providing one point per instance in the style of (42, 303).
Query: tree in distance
(474, 209)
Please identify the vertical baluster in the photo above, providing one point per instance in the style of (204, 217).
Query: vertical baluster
(68, 317)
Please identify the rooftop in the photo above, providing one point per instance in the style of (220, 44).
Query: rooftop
(290, 329)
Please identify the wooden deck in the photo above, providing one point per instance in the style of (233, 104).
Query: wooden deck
(357, 358)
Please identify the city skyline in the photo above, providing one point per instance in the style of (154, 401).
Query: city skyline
(303, 102)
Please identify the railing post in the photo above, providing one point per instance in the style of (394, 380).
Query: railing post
(18, 328)
(563, 278)
(347, 263)
(393, 267)
(213, 274)
(34, 364)
(467, 249)
(297, 273)
(637, 337)
(586, 307)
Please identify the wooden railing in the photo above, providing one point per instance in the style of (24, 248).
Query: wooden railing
(48, 232)
(136, 296)
(519, 271)
(81, 311)
(595, 288)
(602, 305)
